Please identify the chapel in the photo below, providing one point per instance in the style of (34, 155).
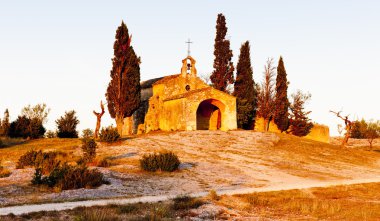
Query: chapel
(183, 102)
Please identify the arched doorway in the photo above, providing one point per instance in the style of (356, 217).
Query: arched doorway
(209, 115)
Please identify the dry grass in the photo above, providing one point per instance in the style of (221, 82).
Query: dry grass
(354, 202)
(14, 151)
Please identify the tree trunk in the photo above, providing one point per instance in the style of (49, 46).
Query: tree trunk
(266, 124)
(128, 126)
(98, 119)
(119, 124)
(370, 145)
(345, 139)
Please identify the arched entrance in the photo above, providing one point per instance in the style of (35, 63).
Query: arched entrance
(209, 115)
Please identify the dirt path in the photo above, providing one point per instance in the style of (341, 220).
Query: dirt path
(18, 210)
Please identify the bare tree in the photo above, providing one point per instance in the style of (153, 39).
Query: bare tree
(265, 98)
(98, 119)
(348, 126)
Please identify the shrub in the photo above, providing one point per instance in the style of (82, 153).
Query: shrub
(51, 134)
(67, 125)
(105, 162)
(4, 172)
(213, 195)
(186, 202)
(25, 127)
(89, 149)
(87, 133)
(47, 161)
(165, 161)
(67, 177)
(109, 134)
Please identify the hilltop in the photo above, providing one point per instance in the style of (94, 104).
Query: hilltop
(211, 160)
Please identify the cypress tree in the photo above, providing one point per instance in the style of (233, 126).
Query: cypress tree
(223, 66)
(123, 92)
(281, 114)
(244, 89)
(4, 125)
(300, 124)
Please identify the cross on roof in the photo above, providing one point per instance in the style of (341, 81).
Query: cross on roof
(188, 46)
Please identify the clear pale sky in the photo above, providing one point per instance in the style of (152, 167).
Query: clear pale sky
(59, 53)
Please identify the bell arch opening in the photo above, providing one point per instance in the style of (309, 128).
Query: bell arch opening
(209, 115)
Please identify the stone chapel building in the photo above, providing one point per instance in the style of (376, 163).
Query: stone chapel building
(183, 102)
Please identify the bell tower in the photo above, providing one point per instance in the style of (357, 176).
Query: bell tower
(188, 67)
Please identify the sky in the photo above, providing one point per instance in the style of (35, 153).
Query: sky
(59, 52)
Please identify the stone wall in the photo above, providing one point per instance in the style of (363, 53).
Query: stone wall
(319, 132)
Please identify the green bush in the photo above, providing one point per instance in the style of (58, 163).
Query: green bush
(46, 161)
(87, 133)
(26, 128)
(109, 134)
(89, 149)
(67, 125)
(51, 134)
(67, 177)
(164, 161)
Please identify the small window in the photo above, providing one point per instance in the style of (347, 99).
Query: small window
(187, 87)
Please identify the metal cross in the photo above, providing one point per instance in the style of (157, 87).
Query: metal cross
(188, 46)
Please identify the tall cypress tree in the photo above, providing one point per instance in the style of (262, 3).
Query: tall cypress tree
(281, 112)
(244, 90)
(123, 92)
(223, 66)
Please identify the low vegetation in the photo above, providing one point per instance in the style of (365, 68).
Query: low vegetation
(186, 202)
(355, 202)
(164, 161)
(89, 149)
(65, 177)
(45, 161)
(4, 172)
(104, 162)
(109, 134)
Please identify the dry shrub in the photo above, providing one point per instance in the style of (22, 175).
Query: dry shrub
(164, 161)
(186, 202)
(104, 162)
(89, 149)
(46, 161)
(97, 214)
(67, 177)
(213, 195)
(109, 134)
(4, 172)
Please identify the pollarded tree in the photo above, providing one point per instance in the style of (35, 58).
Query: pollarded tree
(245, 90)
(281, 102)
(300, 124)
(223, 66)
(123, 92)
(265, 98)
(67, 125)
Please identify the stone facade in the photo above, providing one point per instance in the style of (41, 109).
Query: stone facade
(183, 102)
